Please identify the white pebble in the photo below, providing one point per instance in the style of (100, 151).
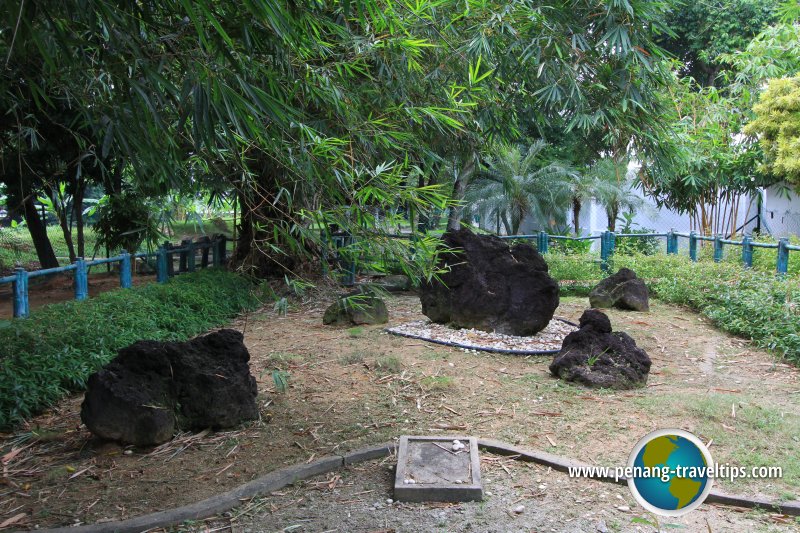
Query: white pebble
(519, 508)
(128, 452)
(389, 501)
(623, 508)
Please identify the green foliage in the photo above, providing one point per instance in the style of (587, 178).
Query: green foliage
(777, 125)
(126, 221)
(59, 346)
(704, 30)
(520, 183)
(637, 245)
(281, 380)
(570, 246)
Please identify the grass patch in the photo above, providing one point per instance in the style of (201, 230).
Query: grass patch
(355, 332)
(353, 358)
(436, 382)
(44, 357)
(389, 364)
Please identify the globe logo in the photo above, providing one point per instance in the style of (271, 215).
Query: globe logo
(672, 472)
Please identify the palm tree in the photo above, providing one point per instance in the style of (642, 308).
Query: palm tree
(614, 188)
(518, 183)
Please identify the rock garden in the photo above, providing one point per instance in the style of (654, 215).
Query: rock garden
(617, 375)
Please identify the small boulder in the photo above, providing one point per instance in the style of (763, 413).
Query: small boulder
(393, 283)
(153, 388)
(596, 357)
(623, 290)
(487, 285)
(359, 307)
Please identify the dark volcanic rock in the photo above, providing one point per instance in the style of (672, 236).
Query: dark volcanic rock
(595, 357)
(393, 283)
(623, 290)
(358, 307)
(491, 287)
(151, 388)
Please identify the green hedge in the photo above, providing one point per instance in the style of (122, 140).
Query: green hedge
(53, 352)
(751, 303)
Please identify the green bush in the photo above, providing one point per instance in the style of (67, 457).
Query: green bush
(53, 352)
(638, 245)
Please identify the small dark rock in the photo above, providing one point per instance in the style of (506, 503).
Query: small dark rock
(358, 307)
(152, 388)
(596, 357)
(393, 283)
(623, 290)
(490, 286)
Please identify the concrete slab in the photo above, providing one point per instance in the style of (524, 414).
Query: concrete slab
(428, 469)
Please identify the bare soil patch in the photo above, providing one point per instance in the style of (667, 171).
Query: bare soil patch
(358, 386)
(518, 497)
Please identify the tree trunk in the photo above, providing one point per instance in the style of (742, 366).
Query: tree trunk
(77, 206)
(459, 187)
(38, 231)
(576, 215)
(612, 212)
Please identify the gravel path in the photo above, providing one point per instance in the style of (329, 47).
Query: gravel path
(547, 340)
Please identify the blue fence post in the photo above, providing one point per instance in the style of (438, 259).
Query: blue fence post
(162, 273)
(223, 250)
(81, 280)
(747, 252)
(183, 256)
(170, 259)
(20, 293)
(125, 280)
(605, 243)
(215, 259)
(717, 248)
(782, 263)
(693, 246)
(543, 242)
(190, 258)
(205, 244)
(672, 242)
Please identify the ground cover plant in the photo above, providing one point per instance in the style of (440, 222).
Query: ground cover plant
(54, 351)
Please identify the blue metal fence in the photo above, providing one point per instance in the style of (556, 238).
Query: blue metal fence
(165, 269)
(608, 243)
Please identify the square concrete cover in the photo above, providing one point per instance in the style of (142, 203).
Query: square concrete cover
(429, 470)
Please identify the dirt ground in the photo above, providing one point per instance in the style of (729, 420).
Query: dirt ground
(517, 497)
(359, 386)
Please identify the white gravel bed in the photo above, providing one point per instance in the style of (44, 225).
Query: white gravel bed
(546, 341)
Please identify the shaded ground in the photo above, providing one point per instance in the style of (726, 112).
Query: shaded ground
(518, 497)
(360, 386)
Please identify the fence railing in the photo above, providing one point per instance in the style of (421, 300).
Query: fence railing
(608, 242)
(165, 267)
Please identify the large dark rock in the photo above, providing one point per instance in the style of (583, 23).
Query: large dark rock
(490, 286)
(623, 290)
(151, 388)
(596, 357)
(359, 307)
